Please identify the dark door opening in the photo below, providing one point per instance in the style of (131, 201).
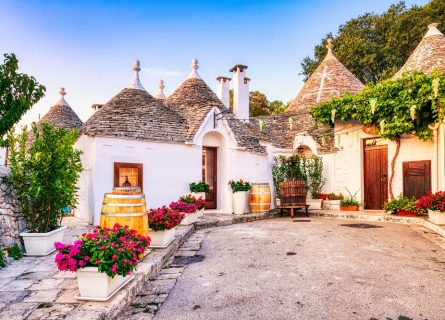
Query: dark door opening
(209, 175)
(375, 168)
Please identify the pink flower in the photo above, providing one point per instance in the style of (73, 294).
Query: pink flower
(81, 263)
(114, 268)
(59, 245)
(86, 258)
(114, 257)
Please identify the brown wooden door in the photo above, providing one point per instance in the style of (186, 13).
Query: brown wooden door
(375, 174)
(416, 178)
(209, 175)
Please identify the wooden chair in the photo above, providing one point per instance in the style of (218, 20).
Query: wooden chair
(293, 196)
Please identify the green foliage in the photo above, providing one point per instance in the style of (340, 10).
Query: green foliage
(308, 169)
(18, 93)
(201, 186)
(2, 259)
(316, 180)
(15, 252)
(374, 46)
(259, 105)
(239, 185)
(402, 203)
(351, 200)
(44, 174)
(396, 107)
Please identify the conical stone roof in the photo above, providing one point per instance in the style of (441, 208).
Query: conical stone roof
(193, 100)
(61, 115)
(330, 79)
(429, 54)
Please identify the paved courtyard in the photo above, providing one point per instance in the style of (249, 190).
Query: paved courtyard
(313, 269)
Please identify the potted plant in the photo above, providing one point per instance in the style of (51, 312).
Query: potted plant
(333, 201)
(44, 171)
(199, 189)
(103, 260)
(199, 201)
(435, 204)
(402, 206)
(162, 223)
(315, 181)
(189, 211)
(349, 203)
(239, 191)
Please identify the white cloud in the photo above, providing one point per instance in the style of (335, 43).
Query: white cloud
(158, 72)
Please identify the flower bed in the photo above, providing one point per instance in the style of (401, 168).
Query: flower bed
(188, 209)
(435, 204)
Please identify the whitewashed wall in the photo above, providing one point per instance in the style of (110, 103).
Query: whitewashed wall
(348, 161)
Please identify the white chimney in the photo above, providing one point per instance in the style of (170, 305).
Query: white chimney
(240, 92)
(223, 92)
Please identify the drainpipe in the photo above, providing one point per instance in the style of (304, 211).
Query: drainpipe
(435, 127)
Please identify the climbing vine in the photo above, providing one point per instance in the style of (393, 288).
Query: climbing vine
(409, 105)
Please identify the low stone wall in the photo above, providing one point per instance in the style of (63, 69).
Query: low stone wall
(11, 220)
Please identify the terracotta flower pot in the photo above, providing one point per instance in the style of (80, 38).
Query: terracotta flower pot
(349, 208)
(404, 213)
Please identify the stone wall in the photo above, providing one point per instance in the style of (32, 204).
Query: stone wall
(11, 220)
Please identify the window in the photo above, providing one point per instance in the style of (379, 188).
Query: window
(128, 174)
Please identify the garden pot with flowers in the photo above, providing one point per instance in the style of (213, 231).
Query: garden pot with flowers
(199, 189)
(103, 260)
(162, 223)
(199, 201)
(188, 209)
(239, 195)
(44, 173)
(435, 204)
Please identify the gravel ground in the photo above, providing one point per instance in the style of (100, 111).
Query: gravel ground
(313, 269)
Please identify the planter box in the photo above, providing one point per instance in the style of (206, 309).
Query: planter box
(42, 244)
(200, 213)
(403, 213)
(189, 219)
(349, 208)
(97, 286)
(331, 204)
(314, 203)
(198, 195)
(437, 217)
(239, 202)
(161, 239)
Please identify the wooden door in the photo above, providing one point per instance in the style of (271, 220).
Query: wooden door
(416, 178)
(375, 173)
(209, 175)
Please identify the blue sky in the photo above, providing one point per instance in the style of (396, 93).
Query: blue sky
(88, 46)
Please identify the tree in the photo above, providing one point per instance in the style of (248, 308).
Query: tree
(374, 46)
(18, 93)
(44, 173)
(259, 105)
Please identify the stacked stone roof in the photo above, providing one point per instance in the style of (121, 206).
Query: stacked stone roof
(61, 115)
(429, 55)
(137, 115)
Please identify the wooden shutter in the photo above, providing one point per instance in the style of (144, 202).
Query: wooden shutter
(416, 178)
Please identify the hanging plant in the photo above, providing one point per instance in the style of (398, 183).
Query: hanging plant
(406, 105)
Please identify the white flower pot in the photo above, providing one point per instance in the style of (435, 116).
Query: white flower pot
(42, 244)
(97, 286)
(189, 219)
(437, 217)
(314, 203)
(239, 202)
(200, 213)
(198, 195)
(161, 239)
(331, 204)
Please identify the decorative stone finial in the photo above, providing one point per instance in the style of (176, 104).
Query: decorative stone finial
(194, 73)
(329, 46)
(432, 30)
(160, 94)
(62, 101)
(136, 83)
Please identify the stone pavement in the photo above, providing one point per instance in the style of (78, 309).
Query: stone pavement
(148, 301)
(33, 288)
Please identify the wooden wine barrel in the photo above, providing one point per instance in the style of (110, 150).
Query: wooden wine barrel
(127, 208)
(259, 197)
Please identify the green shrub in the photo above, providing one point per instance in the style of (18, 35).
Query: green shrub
(201, 186)
(15, 252)
(2, 259)
(402, 203)
(44, 173)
